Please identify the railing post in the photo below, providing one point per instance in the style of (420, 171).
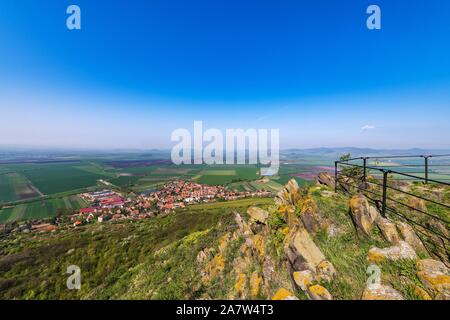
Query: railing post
(426, 168)
(383, 204)
(335, 176)
(365, 169)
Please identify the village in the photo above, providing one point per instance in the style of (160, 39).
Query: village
(110, 205)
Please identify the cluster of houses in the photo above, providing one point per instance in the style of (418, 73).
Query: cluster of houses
(110, 205)
(179, 193)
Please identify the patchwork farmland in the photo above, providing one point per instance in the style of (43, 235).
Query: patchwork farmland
(44, 189)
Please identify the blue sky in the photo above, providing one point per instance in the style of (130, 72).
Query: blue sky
(140, 69)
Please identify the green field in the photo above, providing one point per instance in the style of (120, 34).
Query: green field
(42, 209)
(224, 174)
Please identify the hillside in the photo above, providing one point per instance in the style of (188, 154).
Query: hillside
(307, 243)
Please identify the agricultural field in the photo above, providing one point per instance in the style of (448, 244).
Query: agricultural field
(42, 209)
(14, 186)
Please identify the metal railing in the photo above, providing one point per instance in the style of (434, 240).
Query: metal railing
(388, 181)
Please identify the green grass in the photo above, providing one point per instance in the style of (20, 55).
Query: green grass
(131, 259)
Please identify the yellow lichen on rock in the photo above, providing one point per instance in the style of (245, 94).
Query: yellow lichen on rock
(284, 294)
(303, 279)
(259, 245)
(239, 286)
(422, 294)
(223, 241)
(255, 284)
(318, 292)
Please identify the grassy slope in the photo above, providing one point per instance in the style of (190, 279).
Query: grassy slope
(129, 259)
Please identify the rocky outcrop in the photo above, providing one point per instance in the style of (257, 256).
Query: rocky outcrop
(401, 251)
(311, 216)
(243, 227)
(381, 292)
(325, 178)
(388, 230)
(408, 234)
(302, 252)
(435, 276)
(258, 214)
(363, 215)
(289, 195)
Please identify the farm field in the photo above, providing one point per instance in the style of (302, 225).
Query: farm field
(14, 186)
(42, 209)
(54, 184)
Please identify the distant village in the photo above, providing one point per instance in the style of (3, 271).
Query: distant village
(109, 205)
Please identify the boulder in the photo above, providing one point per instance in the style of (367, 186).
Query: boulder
(303, 279)
(258, 214)
(381, 292)
(243, 227)
(409, 235)
(326, 179)
(401, 251)
(325, 271)
(388, 230)
(362, 215)
(289, 195)
(317, 292)
(302, 252)
(311, 216)
(284, 294)
(435, 276)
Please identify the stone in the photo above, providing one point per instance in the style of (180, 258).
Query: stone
(255, 285)
(326, 179)
(223, 241)
(409, 235)
(325, 271)
(303, 279)
(289, 195)
(318, 292)
(388, 230)
(401, 251)
(284, 294)
(421, 293)
(259, 246)
(302, 252)
(417, 204)
(258, 214)
(435, 276)
(381, 292)
(203, 256)
(244, 228)
(362, 214)
(310, 215)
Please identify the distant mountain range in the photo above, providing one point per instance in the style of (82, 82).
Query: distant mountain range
(359, 152)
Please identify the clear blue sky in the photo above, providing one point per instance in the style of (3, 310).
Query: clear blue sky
(140, 69)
